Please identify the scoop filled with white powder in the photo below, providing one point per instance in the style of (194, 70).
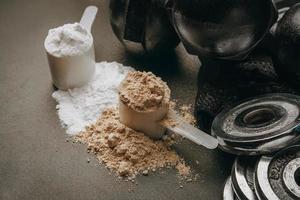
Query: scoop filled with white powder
(68, 40)
(70, 52)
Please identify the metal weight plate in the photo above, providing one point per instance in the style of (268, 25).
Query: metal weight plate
(278, 177)
(242, 176)
(261, 118)
(228, 193)
(261, 125)
(263, 147)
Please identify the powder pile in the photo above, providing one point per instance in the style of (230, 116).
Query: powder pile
(183, 169)
(126, 151)
(186, 112)
(68, 40)
(143, 91)
(80, 107)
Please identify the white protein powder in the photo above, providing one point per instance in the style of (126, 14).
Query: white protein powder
(79, 107)
(68, 40)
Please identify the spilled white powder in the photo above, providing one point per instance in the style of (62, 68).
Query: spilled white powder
(80, 107)
(68, 40)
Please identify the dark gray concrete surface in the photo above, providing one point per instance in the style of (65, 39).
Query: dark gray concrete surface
(35, 160)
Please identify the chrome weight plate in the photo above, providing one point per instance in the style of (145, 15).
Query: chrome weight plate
(259, 119)
(228, 193)
(242, 176)
(262, 125)
(278, 177)
(259, 148)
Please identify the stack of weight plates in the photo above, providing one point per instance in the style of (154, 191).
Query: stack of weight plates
(240, 185)
(275, 177)
(262, 125)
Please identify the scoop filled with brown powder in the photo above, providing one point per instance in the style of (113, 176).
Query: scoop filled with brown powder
(143, 91)
(144, 101)
(144, 106)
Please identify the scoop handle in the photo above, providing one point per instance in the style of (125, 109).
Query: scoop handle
(190, 132)
(88, 17)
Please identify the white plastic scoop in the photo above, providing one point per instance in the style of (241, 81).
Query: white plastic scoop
(150, 123)
(190, 132)
(88, 17)
(70, 71)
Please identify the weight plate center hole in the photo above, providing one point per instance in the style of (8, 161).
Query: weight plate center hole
(259, 117)
(297, 176)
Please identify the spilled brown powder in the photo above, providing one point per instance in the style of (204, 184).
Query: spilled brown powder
(183, 169)
(169, 122)
(143, 91)
(126, 151)
(186, 113)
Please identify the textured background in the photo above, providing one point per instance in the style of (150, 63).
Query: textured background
(35, 160)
